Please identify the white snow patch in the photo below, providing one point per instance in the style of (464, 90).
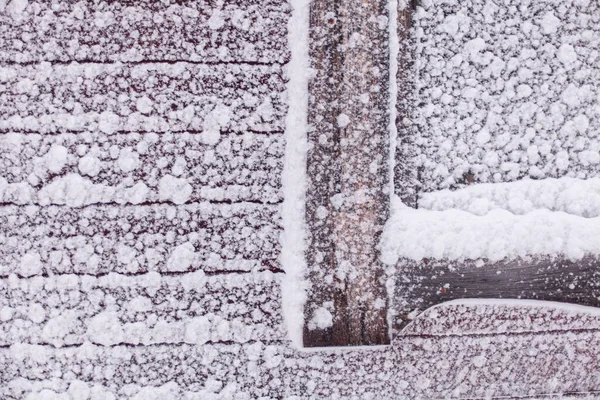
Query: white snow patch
(216, 20)
(499, 234)
(293, 239)
(181, 258)
(89, 165)
(343, 120)
(144, 105)
(177, 190)
(56, 158)
(322, 319)
(580, 197)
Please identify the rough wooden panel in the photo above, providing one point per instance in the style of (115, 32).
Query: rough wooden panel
(155, 97)
(430, 282)
(510, 366)
(142, 309)
(485, 317)
(347, 169)
(136, 239)
(406, 173)
(202, 31)
(234, 168)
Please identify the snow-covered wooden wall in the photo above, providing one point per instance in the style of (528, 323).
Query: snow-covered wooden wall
(141, 151)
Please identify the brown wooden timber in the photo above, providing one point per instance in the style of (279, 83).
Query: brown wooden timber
(420, 285)
(348, 188)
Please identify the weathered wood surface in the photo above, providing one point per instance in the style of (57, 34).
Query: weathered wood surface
(430, 282)
(499, 366)
(143, 309)
(204, 31)
(233, 167)
(406, 173)
(348, 172)
(155, 97)
(97, 240)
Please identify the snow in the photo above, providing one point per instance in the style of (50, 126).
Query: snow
(293, 238)
(177, 190)
(505, 91)
(569, 195)
(56, 159)
(483, 229)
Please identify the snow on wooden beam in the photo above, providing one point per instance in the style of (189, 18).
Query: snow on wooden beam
(97, 240)
(130, 31)
(157, 97)
(138, 168)
(143, 309)
(421, 285)
(348, 191)
(498, 366)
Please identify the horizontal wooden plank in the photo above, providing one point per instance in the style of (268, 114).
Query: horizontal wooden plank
(423, 284)
(155, 97)
(493, 316)
(136, 239)
(206, 31)
(536, 366)
(109, 168)
(143, 309)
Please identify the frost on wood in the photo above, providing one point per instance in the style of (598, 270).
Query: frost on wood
(142, 309)
(430, 281)
(155, 97)
(505, 91)
(348, 183)
(136, 239)
(494, 316)
(202, 31)
(434, 367)
(87, 168)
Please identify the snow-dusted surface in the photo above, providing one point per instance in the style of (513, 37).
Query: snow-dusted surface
(414, 368)
(200, 31)
(506, 90)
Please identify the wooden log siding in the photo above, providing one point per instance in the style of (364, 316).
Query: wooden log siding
(347, 199)
(421, 285)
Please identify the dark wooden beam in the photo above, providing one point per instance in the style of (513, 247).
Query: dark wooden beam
(420, 285)
(348, 188)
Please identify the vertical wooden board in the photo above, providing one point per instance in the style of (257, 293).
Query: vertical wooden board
(406, 174)
(348, 189)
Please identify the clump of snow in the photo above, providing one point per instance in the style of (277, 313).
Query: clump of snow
(499, 234)
(181, 258)
(177, 190)
(56, 158)
(322, 319)
(89, 165)
(343, 120)
(217, 119)
(579, 197)
(293, 239)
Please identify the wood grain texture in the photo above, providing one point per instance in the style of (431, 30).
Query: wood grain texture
(347, 169)
(420, 285)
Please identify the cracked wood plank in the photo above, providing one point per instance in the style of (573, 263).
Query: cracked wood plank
(348, 189)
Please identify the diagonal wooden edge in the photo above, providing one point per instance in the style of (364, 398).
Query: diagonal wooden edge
(421, 285)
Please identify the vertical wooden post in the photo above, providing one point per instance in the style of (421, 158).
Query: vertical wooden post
(348, 189)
